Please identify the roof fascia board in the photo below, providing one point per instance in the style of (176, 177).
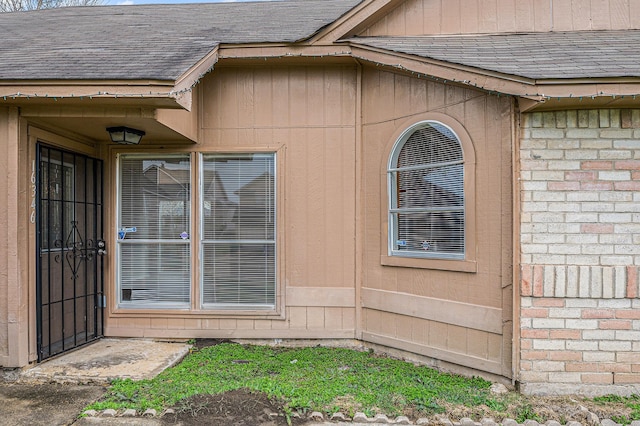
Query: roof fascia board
(59, 90)
(262, 51)
(187, 81)
(356, 20)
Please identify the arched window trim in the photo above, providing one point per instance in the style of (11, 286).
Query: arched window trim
(463, 262)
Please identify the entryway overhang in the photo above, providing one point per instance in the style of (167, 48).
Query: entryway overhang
(166, 110)
(86, 110)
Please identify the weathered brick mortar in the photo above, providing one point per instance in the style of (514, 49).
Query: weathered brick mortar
(580, 252)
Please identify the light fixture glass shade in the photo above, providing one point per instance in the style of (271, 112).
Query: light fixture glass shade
(125, 135)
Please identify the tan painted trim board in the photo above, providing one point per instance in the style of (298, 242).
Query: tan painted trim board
(321, 296)
(462, 314)
(437, 353)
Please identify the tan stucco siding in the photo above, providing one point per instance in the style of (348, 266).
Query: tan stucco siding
(308, 116)
(456, 316)
(425, 17)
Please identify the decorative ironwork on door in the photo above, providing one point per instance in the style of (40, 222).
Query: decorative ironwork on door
(69, 245)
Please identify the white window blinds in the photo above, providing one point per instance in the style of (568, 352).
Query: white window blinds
(154, 256)
(238, 231)
(426, 186)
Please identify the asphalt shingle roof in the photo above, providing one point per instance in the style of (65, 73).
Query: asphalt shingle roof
(557, 55)
(147, 41)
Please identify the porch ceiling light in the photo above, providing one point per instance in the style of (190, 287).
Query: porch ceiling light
(125, 135)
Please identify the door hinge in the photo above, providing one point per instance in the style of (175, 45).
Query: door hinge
(102, 301)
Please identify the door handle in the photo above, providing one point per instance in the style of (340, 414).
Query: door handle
(102, 248)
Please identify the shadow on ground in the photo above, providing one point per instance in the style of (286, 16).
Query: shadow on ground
(44, 404)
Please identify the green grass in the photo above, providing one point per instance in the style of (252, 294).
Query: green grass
(305, 379)
(632, 402)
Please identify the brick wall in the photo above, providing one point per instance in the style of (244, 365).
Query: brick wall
(580, 243)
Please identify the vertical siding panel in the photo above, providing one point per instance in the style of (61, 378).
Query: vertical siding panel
(348, 195)
(333, 98)
(488, 16)
(388, 324)
(436, 95)
(418, 96)
(296, 214)
(333, 318)
(229, 137)
(600, 14)
(415, 18)
(263, 97)
(620, 19)
(432, 14)
(192, 323)
(438, 335)
(262, 324)
(315, 318)
(403, 328)
(332, 190)
(581, 15)
(228, 324)
(371, 86)
(420, 331)
(315, 207)
(457, 339)
(634, 13)
(5, 264)
(542, 15)
(349, 96)
(246, 107)
(297, 317)
(470, 17)
(451, 17)
(348, 319)
(524, 15)
(211, 102)
(562, 16)
(228, 111)
(279, 98)
(494, 348)
(506, 15)
(402, 91)
(299, 107)
(315, 97)
(478, 343)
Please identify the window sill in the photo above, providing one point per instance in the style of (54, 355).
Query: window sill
(424, 263)
(186, 313)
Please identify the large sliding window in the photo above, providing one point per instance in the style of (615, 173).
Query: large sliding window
(238, 247)
(154, 254)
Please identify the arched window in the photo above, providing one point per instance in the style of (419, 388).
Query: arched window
(427, 197)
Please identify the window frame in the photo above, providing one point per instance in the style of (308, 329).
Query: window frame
(132, 306)
(465, 262)
(202, 241)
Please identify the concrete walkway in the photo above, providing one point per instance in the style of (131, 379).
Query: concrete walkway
(107, 359)
(54, 392)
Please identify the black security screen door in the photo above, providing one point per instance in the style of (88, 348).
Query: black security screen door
(69, 244)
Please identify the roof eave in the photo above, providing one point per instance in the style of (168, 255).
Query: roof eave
(533, 93)
(156, 93)
(447, 72)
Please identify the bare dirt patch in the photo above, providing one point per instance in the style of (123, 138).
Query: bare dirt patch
(237, 408)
